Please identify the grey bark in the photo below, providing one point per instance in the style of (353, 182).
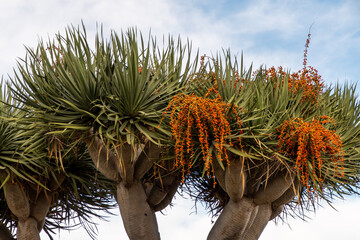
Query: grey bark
(160, 191)
(219, 173)
(169, 196)
(254, 182)
(248, 211)
(17, 200)
(126, 165)
(27, 229)
(235, 180)
(104, 160)
(30, 210)
(258, 225)
(276, 211)
(288, 195)
(274, 189)
(146, 160)
(233, 220)
(139, 219)
(40, 208)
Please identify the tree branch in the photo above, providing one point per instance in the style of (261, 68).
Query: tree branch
(138, 218)
(288, 195)
(125, 161)
(254, 230)
(235, 179)
(103, 158)
(278, 205)
(146, 159)
(219, 173)
(27, 229)
(172, 189)
(276, 211)
(40, 208)
(233, 220)
(254, 182)
(275, 188)
(17, 200)
(157, 194)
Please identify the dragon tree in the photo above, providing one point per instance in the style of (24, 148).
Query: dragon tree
(249, 145)
(111, 100)
(253, 145)
(38, 192)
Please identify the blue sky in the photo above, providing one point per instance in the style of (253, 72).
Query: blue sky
(271, 33)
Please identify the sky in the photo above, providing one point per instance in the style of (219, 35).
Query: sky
(269, 33)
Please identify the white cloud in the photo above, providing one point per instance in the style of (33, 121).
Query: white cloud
(244, 28)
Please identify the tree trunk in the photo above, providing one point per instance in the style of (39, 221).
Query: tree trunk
(250, 208)
(233, 220)
(28, 230)
(104, 159)
(39, 209)
(258, 225)
(31, 210)
(138, 201)
(139, 219)
(17, 200)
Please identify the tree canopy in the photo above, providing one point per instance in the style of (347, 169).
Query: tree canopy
(138, 122)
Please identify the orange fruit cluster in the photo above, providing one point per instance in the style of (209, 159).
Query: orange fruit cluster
(311, 143)
(204, 120)
(306, 81)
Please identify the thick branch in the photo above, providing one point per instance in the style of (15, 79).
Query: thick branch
(274, 189)
(138, 218)
(40, 208)
(157, 194)
(233, 220)
(148, 186)
(276, 211)
(126, 160)
(288, 195)
(160, 190)
(219, 173)
(27, 230)
(172, 189)
(103, 158)
(235, 180)
(254, 231)
(278, 205)
(146, 159)
(17, 200)
(254, 181)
